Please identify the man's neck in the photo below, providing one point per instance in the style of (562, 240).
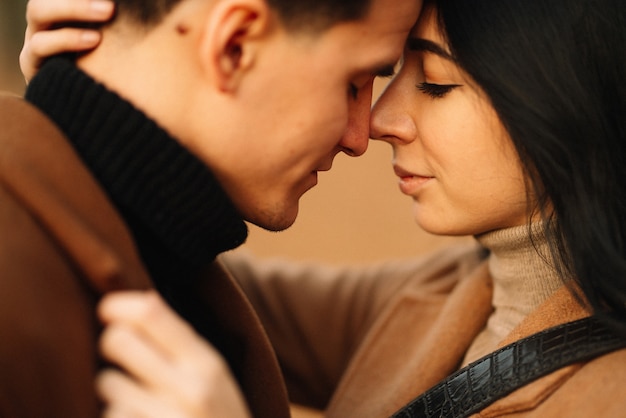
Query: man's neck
(128, 63)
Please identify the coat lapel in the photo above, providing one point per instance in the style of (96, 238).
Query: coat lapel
(418, 341)
(40, 168)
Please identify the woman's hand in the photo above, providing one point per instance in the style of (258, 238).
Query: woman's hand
(167, 370)
(46, 35)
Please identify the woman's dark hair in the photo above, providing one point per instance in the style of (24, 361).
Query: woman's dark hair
(295, 14)
(555, 72)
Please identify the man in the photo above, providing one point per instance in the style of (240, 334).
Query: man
(190, 117)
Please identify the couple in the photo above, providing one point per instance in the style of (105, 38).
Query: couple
(506, 123)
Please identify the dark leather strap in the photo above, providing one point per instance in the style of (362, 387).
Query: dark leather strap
(496, 375)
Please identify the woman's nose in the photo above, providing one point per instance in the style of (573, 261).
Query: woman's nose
(390, 118)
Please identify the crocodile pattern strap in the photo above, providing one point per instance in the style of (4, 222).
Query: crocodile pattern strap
(496, 375)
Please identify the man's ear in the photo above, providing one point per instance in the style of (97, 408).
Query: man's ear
(230, 38)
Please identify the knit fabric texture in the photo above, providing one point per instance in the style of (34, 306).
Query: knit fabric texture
(523, 277)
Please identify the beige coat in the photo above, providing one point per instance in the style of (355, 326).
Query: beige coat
(63, 245)
(364, 342)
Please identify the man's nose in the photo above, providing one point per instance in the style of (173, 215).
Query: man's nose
(356, 138)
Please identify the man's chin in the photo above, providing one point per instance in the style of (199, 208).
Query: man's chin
(275, 220)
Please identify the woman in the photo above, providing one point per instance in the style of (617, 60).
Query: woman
(507, 121)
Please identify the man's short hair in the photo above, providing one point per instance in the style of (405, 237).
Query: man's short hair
(296, 15)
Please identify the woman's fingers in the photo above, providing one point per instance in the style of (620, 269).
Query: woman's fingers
(145, 362)
(48, 43)
(42, 14)
(150, 315)
(149, 340)
(46, 34)
(125, 398)
(163, 362)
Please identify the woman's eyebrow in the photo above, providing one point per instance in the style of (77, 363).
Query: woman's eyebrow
(424, 45)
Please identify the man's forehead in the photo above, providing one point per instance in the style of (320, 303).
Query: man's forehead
(385, 18)
(382, 34)
(401, 14)
(372, 44)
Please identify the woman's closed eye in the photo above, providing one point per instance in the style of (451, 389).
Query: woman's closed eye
(436, 91)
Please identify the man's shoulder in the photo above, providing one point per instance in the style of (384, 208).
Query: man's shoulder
(19, 116)
(26, 131)
(42, 172)
(62, 243)
(32, 200)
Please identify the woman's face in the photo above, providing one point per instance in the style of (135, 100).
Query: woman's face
(450, 151)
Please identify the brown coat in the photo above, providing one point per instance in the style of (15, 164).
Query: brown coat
(63, 245)
(364, 342)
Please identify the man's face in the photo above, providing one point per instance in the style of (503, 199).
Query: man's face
(309, 99)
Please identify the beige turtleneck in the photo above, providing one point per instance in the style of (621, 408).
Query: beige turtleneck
(523, 277)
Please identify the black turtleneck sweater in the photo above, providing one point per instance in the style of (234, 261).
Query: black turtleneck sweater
(178, 214)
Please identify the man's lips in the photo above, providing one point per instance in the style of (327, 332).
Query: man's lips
(324, 167)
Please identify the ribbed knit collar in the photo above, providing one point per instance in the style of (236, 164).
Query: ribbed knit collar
(521, 267)
(523, 277)
(170, 200)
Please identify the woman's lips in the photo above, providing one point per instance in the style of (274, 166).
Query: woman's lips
(409, 182)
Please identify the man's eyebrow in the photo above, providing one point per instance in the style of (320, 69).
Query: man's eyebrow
(419, 44)
(385, 70)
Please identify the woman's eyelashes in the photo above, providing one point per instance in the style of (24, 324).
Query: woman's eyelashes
(436, 91)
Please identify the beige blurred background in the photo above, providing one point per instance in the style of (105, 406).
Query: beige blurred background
(12, 24)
